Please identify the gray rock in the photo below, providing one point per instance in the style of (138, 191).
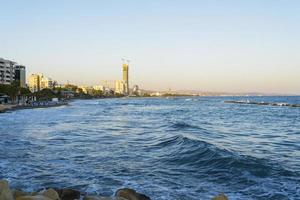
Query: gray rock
(97, 198)
(19, 193)
(5, 192)
(37, 197)
(130, 194)
(68, 194)
(51, 194)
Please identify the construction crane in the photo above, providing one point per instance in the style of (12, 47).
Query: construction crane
(125, 61)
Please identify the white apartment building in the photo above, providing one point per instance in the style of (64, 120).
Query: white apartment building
(34, 82)
(45, 82)
(7, 73)
(11, 71)
(99, 87)
(120, 87)
(38, 82)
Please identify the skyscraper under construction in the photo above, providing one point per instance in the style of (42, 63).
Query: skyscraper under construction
(126, 76)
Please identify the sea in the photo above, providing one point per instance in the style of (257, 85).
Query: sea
(176, 148)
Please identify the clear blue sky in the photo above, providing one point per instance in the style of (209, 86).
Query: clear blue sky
(233, 46)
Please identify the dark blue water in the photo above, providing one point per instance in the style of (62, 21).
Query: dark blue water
(169, 149)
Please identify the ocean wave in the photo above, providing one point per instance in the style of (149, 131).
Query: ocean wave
(166, 149)
(183, 125)
(207, 161)
(185, 150)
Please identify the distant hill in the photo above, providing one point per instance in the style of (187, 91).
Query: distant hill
(207, 93)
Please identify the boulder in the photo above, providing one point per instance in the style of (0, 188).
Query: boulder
(220, 197)
(51, 194)
(5, 192)
(37, 197)
(97, 198)
(19, 193)
(130, 194)
(68, 194)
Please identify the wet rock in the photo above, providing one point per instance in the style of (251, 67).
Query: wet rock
(51, 194)
(19, 193)
(98, 198)
(220, 197)
(130, 194)
(37, 197)
(68, 194)
(5, 192)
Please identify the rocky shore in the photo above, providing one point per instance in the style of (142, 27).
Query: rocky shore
(12, 107)
(69, 194)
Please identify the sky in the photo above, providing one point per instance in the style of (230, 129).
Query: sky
(217, 46)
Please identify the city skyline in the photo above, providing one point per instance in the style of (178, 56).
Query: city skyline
(212, 46)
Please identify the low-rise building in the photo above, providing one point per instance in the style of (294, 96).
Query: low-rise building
(136, 90)
(4, 98)
(86, 89)
(157, 94)
(46, 82)
(108, 92)
(99, 88)
(68, 94)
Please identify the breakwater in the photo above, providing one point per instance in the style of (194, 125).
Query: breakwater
(264, 103)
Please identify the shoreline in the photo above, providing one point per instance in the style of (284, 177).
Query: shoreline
(13, 107)
(6, 193)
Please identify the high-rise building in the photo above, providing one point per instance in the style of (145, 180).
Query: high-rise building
(120, 87)
(6, 71)
(20, 75)
(126, 77)
(34, 83)
(38, 82)
(11, 71)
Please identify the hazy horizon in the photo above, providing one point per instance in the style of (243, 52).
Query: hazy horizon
(216, 46)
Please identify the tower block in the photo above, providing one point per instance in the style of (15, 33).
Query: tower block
(126, 77)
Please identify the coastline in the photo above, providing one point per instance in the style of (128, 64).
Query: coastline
(13, 107)
(6, 193)
(6, 107)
